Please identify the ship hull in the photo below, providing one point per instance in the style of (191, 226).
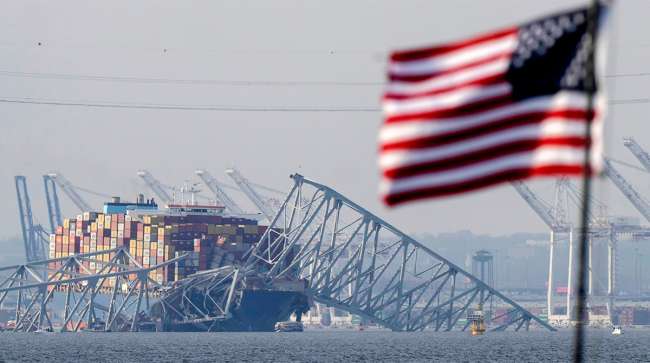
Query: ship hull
(258, 310)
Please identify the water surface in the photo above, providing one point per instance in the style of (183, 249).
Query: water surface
(315, 346)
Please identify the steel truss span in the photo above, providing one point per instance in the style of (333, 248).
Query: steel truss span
(219, 290)
(115, 298)
(355, 261)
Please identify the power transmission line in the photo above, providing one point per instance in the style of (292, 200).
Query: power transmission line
(84, 77)
(225, 108)
(123, 79)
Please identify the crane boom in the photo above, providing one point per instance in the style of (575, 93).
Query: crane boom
(212, 184)
(537, 205)
(245, 187)
(70, 191)
(35, 247)
(637, 150)
(627, 189)
(53, 206)
(155, 186)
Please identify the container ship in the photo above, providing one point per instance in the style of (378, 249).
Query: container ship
(212, 240)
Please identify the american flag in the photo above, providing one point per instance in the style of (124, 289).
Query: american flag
(506, 105)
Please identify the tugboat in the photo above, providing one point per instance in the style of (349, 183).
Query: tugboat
(289, 326)
(616, 330)
(477, 321)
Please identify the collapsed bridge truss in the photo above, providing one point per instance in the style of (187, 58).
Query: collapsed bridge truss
(348, 258)
(359, 263)
(114, 298)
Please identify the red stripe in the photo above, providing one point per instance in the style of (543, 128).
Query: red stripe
(572, 115)
(485, 81)
(428, 52)
(396, 77)
(482, 182)
(481, 155)
(456, 111)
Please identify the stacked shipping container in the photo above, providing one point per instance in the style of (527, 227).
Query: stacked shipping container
(210, 241)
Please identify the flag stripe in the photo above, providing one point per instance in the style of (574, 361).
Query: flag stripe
(428, 52)
(482, 182)
(459, 58)
(548, 128)
(494, 68)
(423, 140)
(444, 102)
(546, 155)
(489, 153)
(447, 71)
(490, 80)
(428, 125)
(467, 110)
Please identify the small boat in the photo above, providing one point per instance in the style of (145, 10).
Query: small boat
(289, 326)
(477, 321)
(43, 331)
(616, 330)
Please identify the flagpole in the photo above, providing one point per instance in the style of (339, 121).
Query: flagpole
(583, 247)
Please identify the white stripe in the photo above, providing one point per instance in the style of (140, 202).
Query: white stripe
(453, 79)
(452, 99)
(405, 130)
(549, 155)
(457, 58)
(552, 127)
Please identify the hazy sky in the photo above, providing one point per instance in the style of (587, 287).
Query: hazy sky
(257, 41)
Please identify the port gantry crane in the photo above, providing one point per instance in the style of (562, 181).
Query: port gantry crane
(35, 238)
(52, 200)
(637, 150)
(70, 191)
(556, 219)
(627, 189)
(267, 210)
(155, 186)
(213, 184)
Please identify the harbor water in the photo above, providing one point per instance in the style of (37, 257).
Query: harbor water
(317, 346)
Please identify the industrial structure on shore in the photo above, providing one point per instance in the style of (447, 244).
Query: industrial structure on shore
(605, 234)
(177, 265)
